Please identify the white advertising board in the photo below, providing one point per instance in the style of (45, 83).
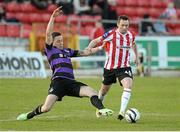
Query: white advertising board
(21, 65)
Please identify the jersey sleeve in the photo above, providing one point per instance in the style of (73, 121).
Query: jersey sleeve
(107, 36)
(133, 37)
(47, 46)
(73, 53)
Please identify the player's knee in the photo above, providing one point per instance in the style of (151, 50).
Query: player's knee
(45, 109)
(127, 84)
(104, 90)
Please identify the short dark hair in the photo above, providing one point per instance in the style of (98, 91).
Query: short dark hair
(123, 17)
(55, 34)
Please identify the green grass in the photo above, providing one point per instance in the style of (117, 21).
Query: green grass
(158, 100)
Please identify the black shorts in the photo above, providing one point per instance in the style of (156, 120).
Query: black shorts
(110, 76)
(62, 87)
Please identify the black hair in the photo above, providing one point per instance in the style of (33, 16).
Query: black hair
(55, 34)
(146, 16)
(123, 17)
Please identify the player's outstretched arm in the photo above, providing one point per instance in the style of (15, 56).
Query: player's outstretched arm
(50, 26)
(88, 52)
(94, 42)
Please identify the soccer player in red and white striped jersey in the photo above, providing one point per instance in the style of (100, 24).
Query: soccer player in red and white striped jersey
(117, 43)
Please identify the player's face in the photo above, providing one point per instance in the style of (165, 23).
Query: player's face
(58, 42)
(123, 26)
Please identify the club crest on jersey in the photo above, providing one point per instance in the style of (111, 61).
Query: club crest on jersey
(62, 56)
(67, 51)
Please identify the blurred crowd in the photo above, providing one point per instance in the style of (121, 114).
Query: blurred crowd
(104, 8)
(158, 27)
(78, 7)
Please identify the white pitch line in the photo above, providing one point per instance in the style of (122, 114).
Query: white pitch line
(44, 117)
(65, 116)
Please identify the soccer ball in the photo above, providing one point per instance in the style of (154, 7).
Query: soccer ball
(132, 115)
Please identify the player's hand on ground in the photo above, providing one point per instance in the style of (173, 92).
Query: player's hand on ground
(57, 12)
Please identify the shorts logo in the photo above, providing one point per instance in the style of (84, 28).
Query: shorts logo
(128, 72)
(51, 89)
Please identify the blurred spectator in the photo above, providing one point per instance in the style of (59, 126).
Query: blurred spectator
(3, 18)
(81, 7)
(147, 27)
(104, 8)
(97, 32)
(111, 13)
(68, 7)
(2, 15)
(40, 4)
(170, 12)
(177, 3)
(96, 6)
(140, 68)
(160, 26)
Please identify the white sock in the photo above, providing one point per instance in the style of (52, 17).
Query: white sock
(101, 96)
(124, 100)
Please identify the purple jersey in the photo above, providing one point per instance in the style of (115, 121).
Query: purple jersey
(60, 61)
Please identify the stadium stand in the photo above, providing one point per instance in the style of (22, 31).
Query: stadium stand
(28, 14)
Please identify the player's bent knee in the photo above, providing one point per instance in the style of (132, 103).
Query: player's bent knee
(87, 91)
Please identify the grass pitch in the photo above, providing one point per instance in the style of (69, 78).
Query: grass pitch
(158, 100)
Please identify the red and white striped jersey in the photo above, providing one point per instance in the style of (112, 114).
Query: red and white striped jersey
(117, 47)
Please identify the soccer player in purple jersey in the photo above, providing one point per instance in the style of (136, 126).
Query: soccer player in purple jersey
(63, 82)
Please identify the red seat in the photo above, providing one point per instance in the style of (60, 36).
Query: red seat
(3, 31)
(87, 20)
(134, 30)
(141, 11)
(178, 12)
(171, 26)
(158, 3)
(13, 7)
(35, 17)
(120, 11)
(155, 12)
(63, 29)
(51, 8)
(131, 3)
(26, 30)
(61, 19)
(143, 3)
(39, 28)
(45, 17)
(13, 30)
(10, 15)
(177, 31)
(89, 29)
(98, 17)
(73, 19)
(83, 31)
(130, 11)
(74, 29)
(120, 2)
(23, 17)
(28, 7)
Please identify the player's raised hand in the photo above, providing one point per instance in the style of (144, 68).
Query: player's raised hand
(57, 11)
